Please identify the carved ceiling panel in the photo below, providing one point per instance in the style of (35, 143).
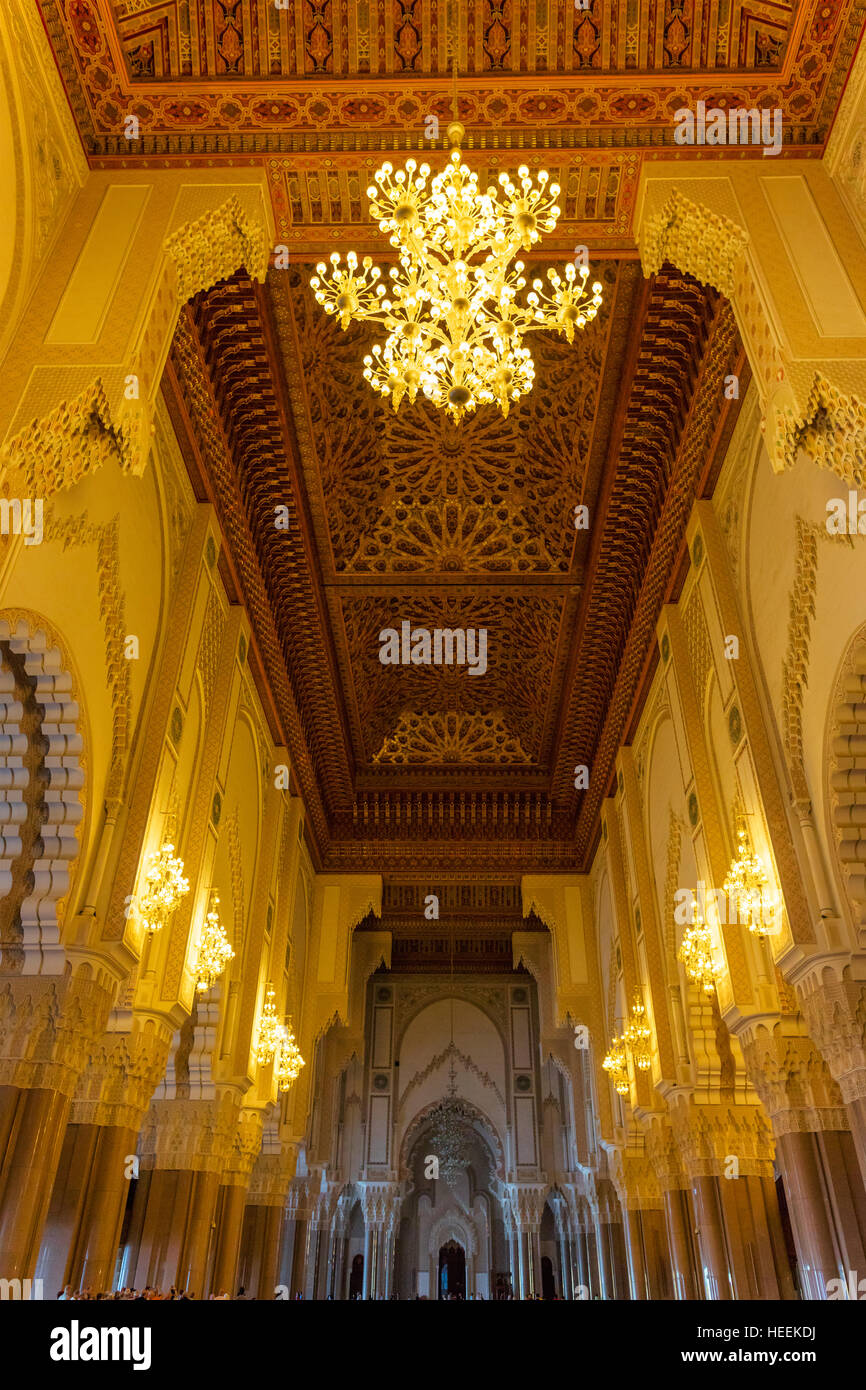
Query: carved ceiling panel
(415, 768)
(510, 696)
(413, 493)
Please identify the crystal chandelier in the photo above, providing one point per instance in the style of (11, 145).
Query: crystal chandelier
(748, 885)
(270, 1031)
(616, 1065)
(450, 1120)
(452, 311)
(290, 1059)
(164, 886)
(214, 950)
(696, 954)
(637, 1036)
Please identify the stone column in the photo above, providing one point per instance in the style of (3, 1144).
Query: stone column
(513, 1259)
(99, 1232)
(677, 1212)
(826, 1204)
(634, 1248)
(656, 1252)
(562, 1250)
(188, 1145)
(595, 1285)
(368, 1260)
(711, 1239)
(27, 1178)
(270, 1182)
(815, 1151)
(605, 1258)
(230, 1216)
(57, 1258)
(580, 1260)
(834, 1005)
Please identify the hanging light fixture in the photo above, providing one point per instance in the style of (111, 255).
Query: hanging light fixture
(270, 1031)
(214, 950)
(453, 310)
(451, 1119)
(164, 886)
(638, 1034)
(696, 954)
(616, 1065)
(747, 884)
(290, 1060)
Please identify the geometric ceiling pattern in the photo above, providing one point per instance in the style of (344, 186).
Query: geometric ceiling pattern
(409, 769)
(416, 769)
(316, 91)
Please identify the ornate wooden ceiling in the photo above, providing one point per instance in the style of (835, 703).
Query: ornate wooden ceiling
(317, 89)
(415, 771)
(421, 769)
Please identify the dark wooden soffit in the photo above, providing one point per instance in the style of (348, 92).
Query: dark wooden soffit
(668, 429)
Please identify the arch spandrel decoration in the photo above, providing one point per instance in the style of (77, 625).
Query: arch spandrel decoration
(803, 408)
(481, 1124)
(101, 422)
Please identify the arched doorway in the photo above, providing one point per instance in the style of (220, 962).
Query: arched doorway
(548, 1284)
(356, 1278)
(452, 1271)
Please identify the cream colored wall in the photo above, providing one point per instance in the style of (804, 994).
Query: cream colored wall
(483, 1083)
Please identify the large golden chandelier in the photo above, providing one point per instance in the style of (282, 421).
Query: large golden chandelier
(455, 322)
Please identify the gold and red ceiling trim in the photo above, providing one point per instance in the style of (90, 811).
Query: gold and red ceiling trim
(320, 89)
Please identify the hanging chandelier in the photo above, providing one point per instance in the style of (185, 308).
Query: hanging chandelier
(270, 1031)
(214, 950)
(749, 887)
(451, 1119)
(634, 1043)
(290, 1059)
(454, 311)
(696, 954)
(637, 1036)
(616, 1065)
(164, 886)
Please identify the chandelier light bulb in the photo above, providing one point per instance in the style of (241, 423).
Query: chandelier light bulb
(289, 1061)
(214, 951)
(638, 1036)
(748, 888)
(164, 886)
(616, 1065)
(270, 1031)
(696, 954)
(446, 231)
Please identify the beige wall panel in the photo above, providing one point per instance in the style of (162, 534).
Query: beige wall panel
(97, 273)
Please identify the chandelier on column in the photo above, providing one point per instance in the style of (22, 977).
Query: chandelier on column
(453, 309)
(748, 886)
(214, 949)
(696, 954)
(634, 1043)
(616, 1065)
(290, 1059)
(638, 1034)
(164, 886)
(270, 1031)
